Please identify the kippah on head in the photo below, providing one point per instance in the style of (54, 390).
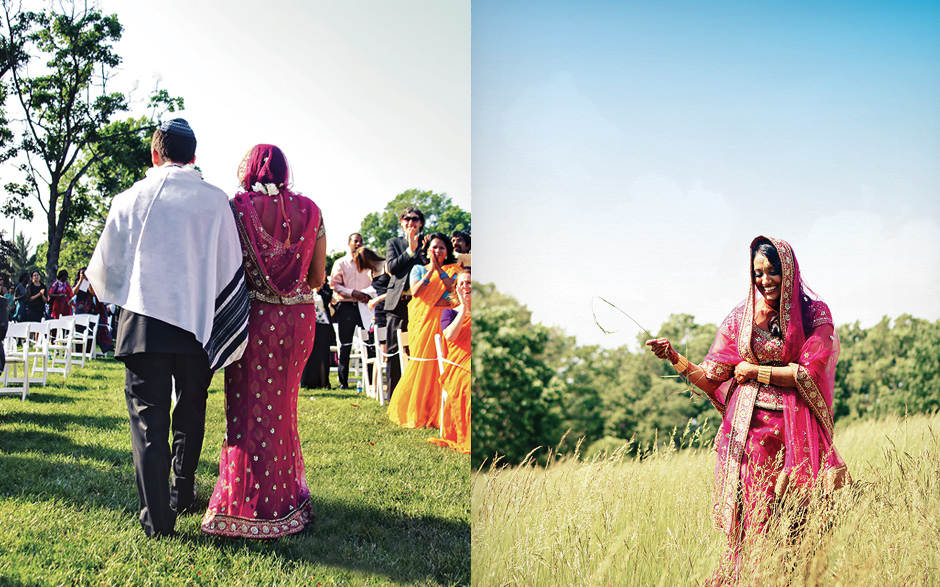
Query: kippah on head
(177, 126)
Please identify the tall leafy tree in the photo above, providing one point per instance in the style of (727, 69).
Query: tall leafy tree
(66, 107)
(511, 384)
(440, 215)
(9, 54)
(7, 255)
(115, 165)
(22, 260)
(582, 374)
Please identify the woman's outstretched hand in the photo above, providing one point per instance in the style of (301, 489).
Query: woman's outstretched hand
(662, 349)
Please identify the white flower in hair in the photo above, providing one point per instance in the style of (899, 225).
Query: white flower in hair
(267, 188)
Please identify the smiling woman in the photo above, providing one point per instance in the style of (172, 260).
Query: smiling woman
(770, 373)
(416, 400)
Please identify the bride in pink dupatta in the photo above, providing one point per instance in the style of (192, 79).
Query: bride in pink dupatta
(262, 489)
(770, 373)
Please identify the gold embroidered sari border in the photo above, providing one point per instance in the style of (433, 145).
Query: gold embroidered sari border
(307, 298)
(810, 393)
(728, 491)
(235, 527)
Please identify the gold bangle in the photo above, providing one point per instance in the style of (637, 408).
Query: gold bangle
(681, 365)
(763, 374)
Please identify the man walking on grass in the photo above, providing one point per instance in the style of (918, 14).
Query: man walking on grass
(169, 256)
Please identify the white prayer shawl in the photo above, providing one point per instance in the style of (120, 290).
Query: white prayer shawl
(170, 251)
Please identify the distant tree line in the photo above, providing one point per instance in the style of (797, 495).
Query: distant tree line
(533, 385)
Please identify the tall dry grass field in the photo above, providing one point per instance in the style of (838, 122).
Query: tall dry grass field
(618, 520)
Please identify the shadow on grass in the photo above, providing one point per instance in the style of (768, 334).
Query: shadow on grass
(354, 537)
(38, 395)
(344, 534)
(7, 581)
(336, 393)
(58, 467)
(61, 421)
(108, 486)
(85, 375)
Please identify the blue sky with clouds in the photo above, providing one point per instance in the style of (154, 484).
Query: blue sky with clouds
(633, 150)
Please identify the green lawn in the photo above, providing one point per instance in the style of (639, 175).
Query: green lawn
(389, 507)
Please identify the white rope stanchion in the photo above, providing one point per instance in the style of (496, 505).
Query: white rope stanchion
(457, 365)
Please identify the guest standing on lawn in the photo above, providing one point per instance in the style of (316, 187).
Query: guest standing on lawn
(35, 300)
(60, 296)
(262, 488)
(401, 256)
(455, 426)
(169, 256)
(416, 401)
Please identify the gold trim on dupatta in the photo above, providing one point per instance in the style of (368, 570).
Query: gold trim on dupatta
(727, 492)
(726, 498)
(806, 385)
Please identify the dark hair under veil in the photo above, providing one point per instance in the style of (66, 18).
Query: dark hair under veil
(264, 175)
(264, 164)
(764, 246)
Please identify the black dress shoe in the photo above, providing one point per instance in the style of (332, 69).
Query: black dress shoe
(188, 508)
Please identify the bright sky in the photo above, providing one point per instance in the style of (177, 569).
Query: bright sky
(367, 98)
(633, 150)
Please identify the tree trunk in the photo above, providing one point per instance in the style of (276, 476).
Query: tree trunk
(56, 230)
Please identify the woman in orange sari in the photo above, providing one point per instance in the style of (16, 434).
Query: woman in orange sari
(455, 426)
(416, 401)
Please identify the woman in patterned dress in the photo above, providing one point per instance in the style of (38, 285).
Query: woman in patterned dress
(770, 373)
(262, 490)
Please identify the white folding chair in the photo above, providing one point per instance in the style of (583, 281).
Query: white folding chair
(39, 351)
(357, 356)
(92, 337)
(79, 337)
(402, 353)
(334, 348)
(16, 348)
(60, 346)
(374, 387)
(440, 369)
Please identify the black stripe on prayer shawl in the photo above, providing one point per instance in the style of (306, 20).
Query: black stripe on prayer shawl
(230, 325)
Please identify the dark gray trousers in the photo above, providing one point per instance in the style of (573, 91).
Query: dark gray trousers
(347, 317)
(395, 320)
(147, 388)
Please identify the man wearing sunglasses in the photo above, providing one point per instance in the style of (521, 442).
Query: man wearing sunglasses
(401, 254)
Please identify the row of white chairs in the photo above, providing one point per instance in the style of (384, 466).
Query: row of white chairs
(366, 357)
(35, 349)
(374, 387)
(360, 363)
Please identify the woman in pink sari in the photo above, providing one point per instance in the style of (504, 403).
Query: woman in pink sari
(262, 489)
(770, 373)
